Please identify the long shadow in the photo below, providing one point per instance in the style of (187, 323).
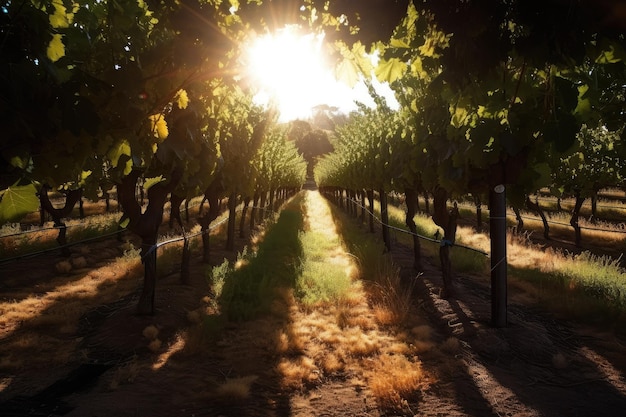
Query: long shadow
(468, 397)
(250, 301)
(58, 392)
(535, 363)
(536, 358)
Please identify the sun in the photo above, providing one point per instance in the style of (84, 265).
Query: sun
(289, 69)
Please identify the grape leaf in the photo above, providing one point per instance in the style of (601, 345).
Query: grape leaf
(17, 202)
(390, 70)
(152, 181)
(56, 48)
(159, 126)
(182, 100)
(60, 18)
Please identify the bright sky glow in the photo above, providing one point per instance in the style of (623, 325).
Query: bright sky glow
(290, 70)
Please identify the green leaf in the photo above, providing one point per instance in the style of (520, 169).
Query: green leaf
(17, 202)
(355, 62)
(60, 18)
(181, 98)
(459, 116)
(56, 48)
(122, 148)
(152, 181)
(390, 70)
(124, 223)
(583, 109)
(347, 72)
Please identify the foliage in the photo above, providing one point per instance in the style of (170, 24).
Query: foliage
(250, 289)
(320, 281)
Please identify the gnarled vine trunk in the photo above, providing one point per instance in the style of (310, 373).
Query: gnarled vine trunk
(175, 202)
(232, 221)
(479, 213)
(384, 218)
(362, 197)
(574, 219)
(244, 211)
(255, 202)
(537, 209)
(411, 210)
(146, 226)
(447, 220)
(370, 200)
(520, 222)
(211, 195)
(71, 197)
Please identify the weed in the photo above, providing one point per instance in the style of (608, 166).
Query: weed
(236, 388)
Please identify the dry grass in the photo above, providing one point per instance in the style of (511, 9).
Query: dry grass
(297, 373)
(37, 325)
(235, 389)
(344, 337)
(394, 379)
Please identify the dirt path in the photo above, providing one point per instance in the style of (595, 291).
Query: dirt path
(537, 366)
(337, 359)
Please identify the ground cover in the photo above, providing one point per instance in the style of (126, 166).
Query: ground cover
(266, 333)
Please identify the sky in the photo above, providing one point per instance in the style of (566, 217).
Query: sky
(291, 70)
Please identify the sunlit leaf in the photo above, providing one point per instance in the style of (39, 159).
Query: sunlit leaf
(152, 181)
(124, 222)
(56, 48)
(355, 62)
(390, 70)
(60, 18)
(123, 148)
(182, 99)
(158, 126)
(459, 116)
(583, 108)
(347, 72)
(17, 202)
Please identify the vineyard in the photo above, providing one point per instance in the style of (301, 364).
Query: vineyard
(452, 251)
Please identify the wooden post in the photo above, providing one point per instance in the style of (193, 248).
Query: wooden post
(497, 225)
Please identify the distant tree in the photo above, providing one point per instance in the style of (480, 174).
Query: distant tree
(313, 145)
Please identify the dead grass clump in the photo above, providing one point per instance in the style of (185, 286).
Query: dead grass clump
(282, 343)
(63, 267)
(332, 363)
(361, 344)
(155, 345)
(343, 317)
(235, 388)
(151, 332)
(421, 346)
(331, 336)
(79, 262)
(383, 315)
(394, 379)
(298, 373)
(290, 342)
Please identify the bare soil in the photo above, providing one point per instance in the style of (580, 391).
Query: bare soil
(539, 365)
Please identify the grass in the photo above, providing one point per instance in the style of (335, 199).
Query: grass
(322, 277)
(332, 317)
(250, 289)
(585, 286)
(463, 260)
(77, 230)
